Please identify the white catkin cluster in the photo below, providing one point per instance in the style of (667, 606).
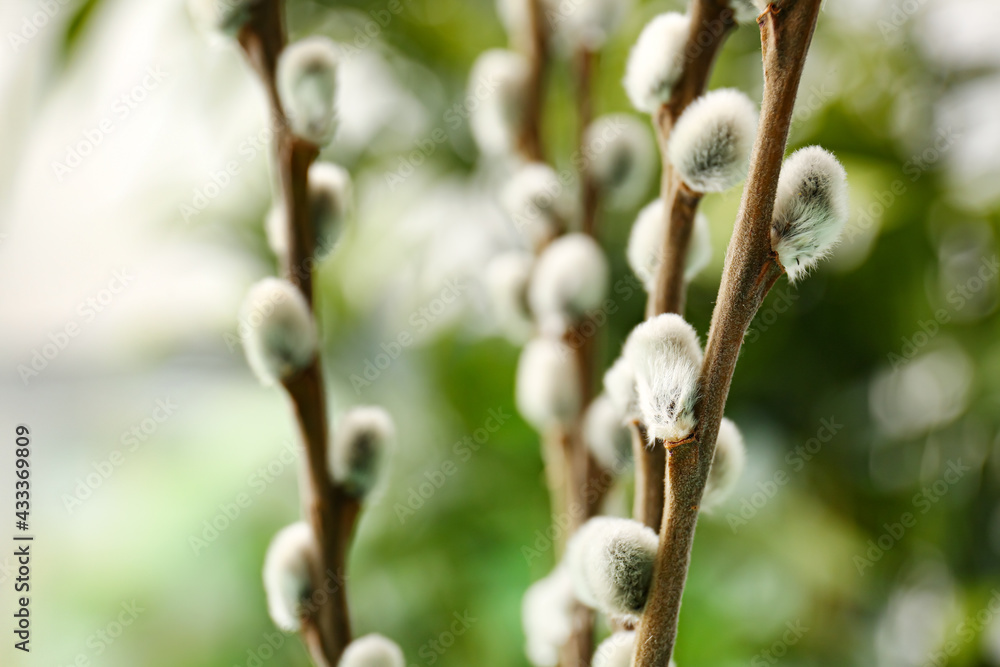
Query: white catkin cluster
(225, 16)
(606, 436)
(307, 85)
(727, 465)
(645, 245)
(548, 383)
(497, 83)
(287, 574)
(619, 385)
(537, 202)
(620, 158)
(330, 196)
(372, 650)
(656, 61)
(547, 617)
(611, 563)
(570, 279)
(282, 337)
(711, 142)
(810, 209)
(507, 279)
(589, 23)
(666, 356)
(359, 445)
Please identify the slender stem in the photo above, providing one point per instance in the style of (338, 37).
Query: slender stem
(530, 139)
(711, 23)
(650, 468)
(585, 62)
(786, 30)
(331, 512)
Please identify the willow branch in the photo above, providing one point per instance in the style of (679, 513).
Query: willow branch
(786, 31)
(530, 138)
(331, 513)
(711, 23)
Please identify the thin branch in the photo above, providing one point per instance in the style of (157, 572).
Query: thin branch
(585, 62)
(530, 138)
(331, 512)
(650, 469)
(786, 31)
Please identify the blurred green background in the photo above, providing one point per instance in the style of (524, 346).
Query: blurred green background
(869, 393)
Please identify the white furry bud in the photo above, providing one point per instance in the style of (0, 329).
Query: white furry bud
(727, 465)
(606, 436)
(547, 617)
(645, 245)
(665, 353)
(611, 563)
(537, 203)
(710, 144)
(225, 16)
(810, 209)
(656, 61)
(621, 157)
(570, 279)
(589, 23)
(307, 85)
(548, 383)
(330, 196)
(619, 385)
(276, 230)
(507, 278)
(498, 83)
(359, 444)
(282, 336)
(287, 574)
(372, 650)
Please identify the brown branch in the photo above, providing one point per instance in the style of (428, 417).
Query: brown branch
(529, 140)
(650, 468)
(711, 23)
(585, 62)
(331, 512)
(786, 30)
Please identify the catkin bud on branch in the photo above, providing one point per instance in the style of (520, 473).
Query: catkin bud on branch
(372, 650)
(645, 245)
(656, 61)
(330, 198)
(498, 83)
(507, 279)
(727, 465)
(666, 356)
(358, 447)
(282, 339)
(710, 143)
(570, 280)
(619, 385)
(620, 158)
(536, 202)
(606, 436)
(611, 563)
(286, 574)
(307, 85)
(548, 383)
(547, 617)
(589, 23)
(810, 209)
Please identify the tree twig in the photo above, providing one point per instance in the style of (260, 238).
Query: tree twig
(530, 138)
(786, 31)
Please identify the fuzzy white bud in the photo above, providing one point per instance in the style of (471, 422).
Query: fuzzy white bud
(507, 278)
(727, 465)
(547, 617)
(611, 563)
(372, 650)
(570, 279)
(589, 23)
(536, 202)
(307, 85)
(498, 82)
(619, 385)
(225, 16)
(287, 574)
(548, 383)
(645, 245)
(810, 209)
(330, 197)
(606, 436)
(666, 356)
(656, 61)
(359, 445)
(276, 230)
(282, 337)
(711, 142)
(621, 157)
